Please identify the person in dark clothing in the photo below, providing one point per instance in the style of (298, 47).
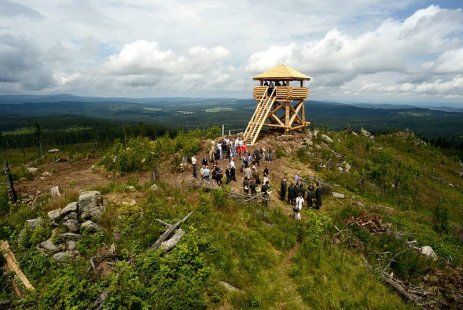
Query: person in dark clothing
(205, 161)
(217, 154)
(301, 190)
(283, 188)
(318, 196)
(228, 175)
(256, 157)
(266, 193)
(224, 149)
(310, 196)
(253, 187)
(291, 193)
(246, 186)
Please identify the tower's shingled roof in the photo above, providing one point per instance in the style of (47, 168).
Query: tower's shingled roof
(282, 72)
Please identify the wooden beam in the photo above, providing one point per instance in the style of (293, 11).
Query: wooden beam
(277, 119)
(295, 113)
(11, 265)
(276, 125)
(297, 127)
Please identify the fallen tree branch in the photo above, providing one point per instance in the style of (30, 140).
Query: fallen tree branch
(168, 245)
(11, 265)
(163, 223)
(168, 232)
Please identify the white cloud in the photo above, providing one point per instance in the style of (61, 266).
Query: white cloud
(354, 50)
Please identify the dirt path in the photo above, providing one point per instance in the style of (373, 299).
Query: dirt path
(287, 284)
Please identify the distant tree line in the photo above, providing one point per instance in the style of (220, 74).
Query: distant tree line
(66, 131)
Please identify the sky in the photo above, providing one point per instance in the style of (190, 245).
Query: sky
(394, 51)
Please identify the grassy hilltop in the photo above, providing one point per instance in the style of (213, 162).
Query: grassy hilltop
(398, 189)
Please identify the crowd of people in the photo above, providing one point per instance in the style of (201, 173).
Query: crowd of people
(250, 163)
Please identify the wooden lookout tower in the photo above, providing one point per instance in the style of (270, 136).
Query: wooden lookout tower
(281, 106)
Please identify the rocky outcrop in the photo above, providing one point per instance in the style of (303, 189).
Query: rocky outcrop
(69, 223)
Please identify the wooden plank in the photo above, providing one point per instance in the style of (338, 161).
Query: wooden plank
(11, 265)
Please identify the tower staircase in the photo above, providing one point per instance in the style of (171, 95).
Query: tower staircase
(260, 115)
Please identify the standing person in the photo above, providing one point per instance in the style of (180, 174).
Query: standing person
(298, 207)
(310, 196)
(249, 159)
(205, 173)
(255, 175)
(219, 150)
(194, 164)
(233, 169)
(291, 193)
(296, 178)
(246, 186)
(271, 87)
(244, 148)
(257, 157)
(228, 175)
(253, 187)
(269, 155)
(266, 193)
(247, 172)
(283, 188)
(266, 174)
(224, 149)
(205, 161)
(318, 196)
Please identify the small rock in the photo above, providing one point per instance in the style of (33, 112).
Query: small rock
(46, 174)
(53, 151)
(72, 226)
(338, 195)
(49, 246)
(70, 245)
(32, 170)
(228, 287)
(33, 223)
(130, 202)
(340, 169)
(42, 179)
(327, 139)
(71, 216)
(71, 207)
(315, 133)
(428, 251)
(154, 187)
(54, 191)
(365, 132)
(64, 256)
(89, 226)
(70, 236)
(54, 215)
(131, 188)
(354, 134)
(347, 167)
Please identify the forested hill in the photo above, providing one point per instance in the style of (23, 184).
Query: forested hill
(233, 113)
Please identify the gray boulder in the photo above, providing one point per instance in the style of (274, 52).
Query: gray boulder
(54, 215)
(71, 207)
(33, 223)
(50, 247)
(90, 200)
(338, 195)
(72, 226)
(89, 226)
(327, 139)
(62, 257)
(93, 214)
(71, 216)
(70, 236)
(70, 245)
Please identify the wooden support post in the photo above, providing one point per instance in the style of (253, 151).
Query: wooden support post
(303, 112)
(12, 196)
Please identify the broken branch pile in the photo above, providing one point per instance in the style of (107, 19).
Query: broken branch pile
(372, 222)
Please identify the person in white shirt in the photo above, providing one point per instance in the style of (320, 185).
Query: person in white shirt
(195, 166)
(298, 207)
(232, 166)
